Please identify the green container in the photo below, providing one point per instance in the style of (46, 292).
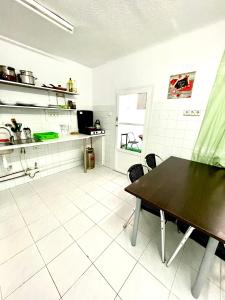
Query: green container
(133, 149)
(43, 136)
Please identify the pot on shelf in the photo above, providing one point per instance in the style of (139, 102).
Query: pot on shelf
(7, 73)
(26, 77)
(28, 73)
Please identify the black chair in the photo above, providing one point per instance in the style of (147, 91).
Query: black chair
(198, 237)
(151, 160)
(134, 173)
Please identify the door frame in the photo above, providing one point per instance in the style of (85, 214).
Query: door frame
(143, 89)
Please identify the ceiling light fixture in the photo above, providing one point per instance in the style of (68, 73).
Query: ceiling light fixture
(47, 14)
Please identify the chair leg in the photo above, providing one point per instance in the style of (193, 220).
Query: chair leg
(162, 219)
(128, 221)
(181, 244)
(178, 230)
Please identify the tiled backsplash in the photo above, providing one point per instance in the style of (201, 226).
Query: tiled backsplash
(49, 158)
(53, 158)
(172, 133)
(169, 132)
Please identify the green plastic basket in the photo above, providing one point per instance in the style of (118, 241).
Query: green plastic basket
(43, 136)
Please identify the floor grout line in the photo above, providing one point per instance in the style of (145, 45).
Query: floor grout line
(39, 254)
(24, 282)
(93, 262)
(19, 252)
(138, 262)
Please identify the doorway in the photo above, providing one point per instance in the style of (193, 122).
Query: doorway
(130, 128)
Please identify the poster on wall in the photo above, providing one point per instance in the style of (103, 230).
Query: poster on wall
(181, 85)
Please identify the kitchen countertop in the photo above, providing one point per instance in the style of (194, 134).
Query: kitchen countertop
(62, 139)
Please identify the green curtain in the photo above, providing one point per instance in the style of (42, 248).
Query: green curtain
(210, 144)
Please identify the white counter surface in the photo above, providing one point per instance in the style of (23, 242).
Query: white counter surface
(62, 139)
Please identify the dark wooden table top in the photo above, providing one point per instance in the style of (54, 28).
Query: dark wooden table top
(188, 190)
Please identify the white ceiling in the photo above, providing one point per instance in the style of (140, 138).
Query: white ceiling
(106, 29)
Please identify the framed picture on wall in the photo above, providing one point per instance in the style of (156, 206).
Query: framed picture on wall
(181, 85)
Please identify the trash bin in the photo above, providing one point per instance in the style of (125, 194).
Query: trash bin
(90, 158)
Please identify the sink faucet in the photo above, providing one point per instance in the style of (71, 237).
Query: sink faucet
(11, 138)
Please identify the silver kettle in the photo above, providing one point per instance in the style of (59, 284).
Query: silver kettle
(97, 124)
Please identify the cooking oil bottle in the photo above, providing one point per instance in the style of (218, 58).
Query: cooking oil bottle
(70, 85)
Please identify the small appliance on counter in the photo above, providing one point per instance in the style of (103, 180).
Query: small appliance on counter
(97, 124)
(85, 123)
(27, 133)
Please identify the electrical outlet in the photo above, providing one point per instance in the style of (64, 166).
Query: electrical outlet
(192, 113)
(195, 113)
(186, 113)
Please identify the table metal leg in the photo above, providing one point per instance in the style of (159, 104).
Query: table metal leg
(163, 224)
(204, 267)
(85, 159)
(136, 221)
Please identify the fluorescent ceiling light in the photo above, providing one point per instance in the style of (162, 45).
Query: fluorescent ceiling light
(47, 14)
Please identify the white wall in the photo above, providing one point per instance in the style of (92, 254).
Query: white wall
(48, 69)
(170, 133)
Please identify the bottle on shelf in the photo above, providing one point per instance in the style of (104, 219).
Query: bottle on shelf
(70, 85)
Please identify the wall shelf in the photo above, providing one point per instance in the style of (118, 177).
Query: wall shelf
(36, 107)
(18, 84)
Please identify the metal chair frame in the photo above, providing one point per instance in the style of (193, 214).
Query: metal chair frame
(136, 221)
(130, 217)
(149, 169)
(132, 142)
(155, 156)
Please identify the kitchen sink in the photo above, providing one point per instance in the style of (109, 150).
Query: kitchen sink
(8, 151)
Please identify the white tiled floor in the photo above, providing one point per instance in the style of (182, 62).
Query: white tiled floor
(62, 237)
